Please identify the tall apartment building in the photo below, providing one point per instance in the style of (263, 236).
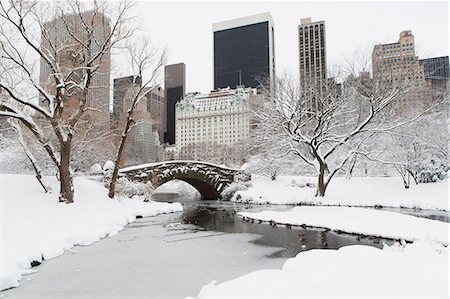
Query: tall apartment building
(143, 143)
(312, 57)
(221, 117)
(120, 88)
(436, 71)
(157, 108)
(395, 62)
(175, 89)
(244, 52)
(55, 34)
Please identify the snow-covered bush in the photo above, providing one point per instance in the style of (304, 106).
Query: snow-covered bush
(96, 169)
(109, 166)
(432, 171)
(125, 188)
(108, 169)
(302, 184)
(229, 191)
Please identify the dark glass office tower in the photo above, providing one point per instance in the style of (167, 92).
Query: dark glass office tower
(175, 89)
(244, 51)
(436, 70)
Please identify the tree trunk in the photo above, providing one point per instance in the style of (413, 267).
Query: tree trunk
(321, 187)
(414, 176)
(112, 185)
(405, 181)
(350, 172)
(29, 154)
(65, 177)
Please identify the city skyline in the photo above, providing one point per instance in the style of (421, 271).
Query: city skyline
(351, 27)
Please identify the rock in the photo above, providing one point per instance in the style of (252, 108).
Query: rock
(35, 263)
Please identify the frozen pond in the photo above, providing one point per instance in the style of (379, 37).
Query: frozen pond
(154, 257)
(173, 256)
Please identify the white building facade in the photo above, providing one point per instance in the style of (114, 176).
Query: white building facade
(221, 117)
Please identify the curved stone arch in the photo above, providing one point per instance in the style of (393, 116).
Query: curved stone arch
(208, 179)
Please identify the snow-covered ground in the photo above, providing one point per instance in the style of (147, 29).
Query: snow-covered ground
(34, 226)
(389, 225)
(357, 191)
(419, 270)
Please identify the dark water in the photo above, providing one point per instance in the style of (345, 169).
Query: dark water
(429, 214)
(222, 217)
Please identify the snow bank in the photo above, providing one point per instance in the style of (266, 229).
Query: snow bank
(387, 192)
(370, 222)
(419, 270)
(34, 226)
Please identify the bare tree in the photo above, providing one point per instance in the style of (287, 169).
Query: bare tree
(144, 60)
(34, 163)
(327, 126)
(415, 148)
(64, 36)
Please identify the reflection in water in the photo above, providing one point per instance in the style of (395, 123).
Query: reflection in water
(222, 217)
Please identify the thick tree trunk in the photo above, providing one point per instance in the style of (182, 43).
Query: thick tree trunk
(321, 186)
(65, 177)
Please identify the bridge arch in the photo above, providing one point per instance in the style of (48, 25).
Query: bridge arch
(209, 179)
(206, 190)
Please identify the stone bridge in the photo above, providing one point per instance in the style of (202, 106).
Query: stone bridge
(209, 179)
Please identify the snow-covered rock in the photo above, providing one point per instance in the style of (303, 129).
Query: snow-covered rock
(96, 169)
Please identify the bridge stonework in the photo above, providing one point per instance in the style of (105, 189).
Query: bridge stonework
(209, 179)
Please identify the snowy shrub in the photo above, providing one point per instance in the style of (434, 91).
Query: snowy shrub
(108, 169)
(109, 166)
(302, 184)
(229, 191)
(96, 169)
(125, 188)
(432, 171)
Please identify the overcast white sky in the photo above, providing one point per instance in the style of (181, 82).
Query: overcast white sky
(185, 29)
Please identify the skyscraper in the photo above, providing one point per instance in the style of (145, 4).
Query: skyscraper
(436, 70)
(244, 51)
(312, 56)
(157, 109)
(175, 89)
(56, 37)
(397, 62)
(120, 88)
(142, 143)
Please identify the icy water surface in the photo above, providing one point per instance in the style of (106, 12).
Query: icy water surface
(222, 217)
